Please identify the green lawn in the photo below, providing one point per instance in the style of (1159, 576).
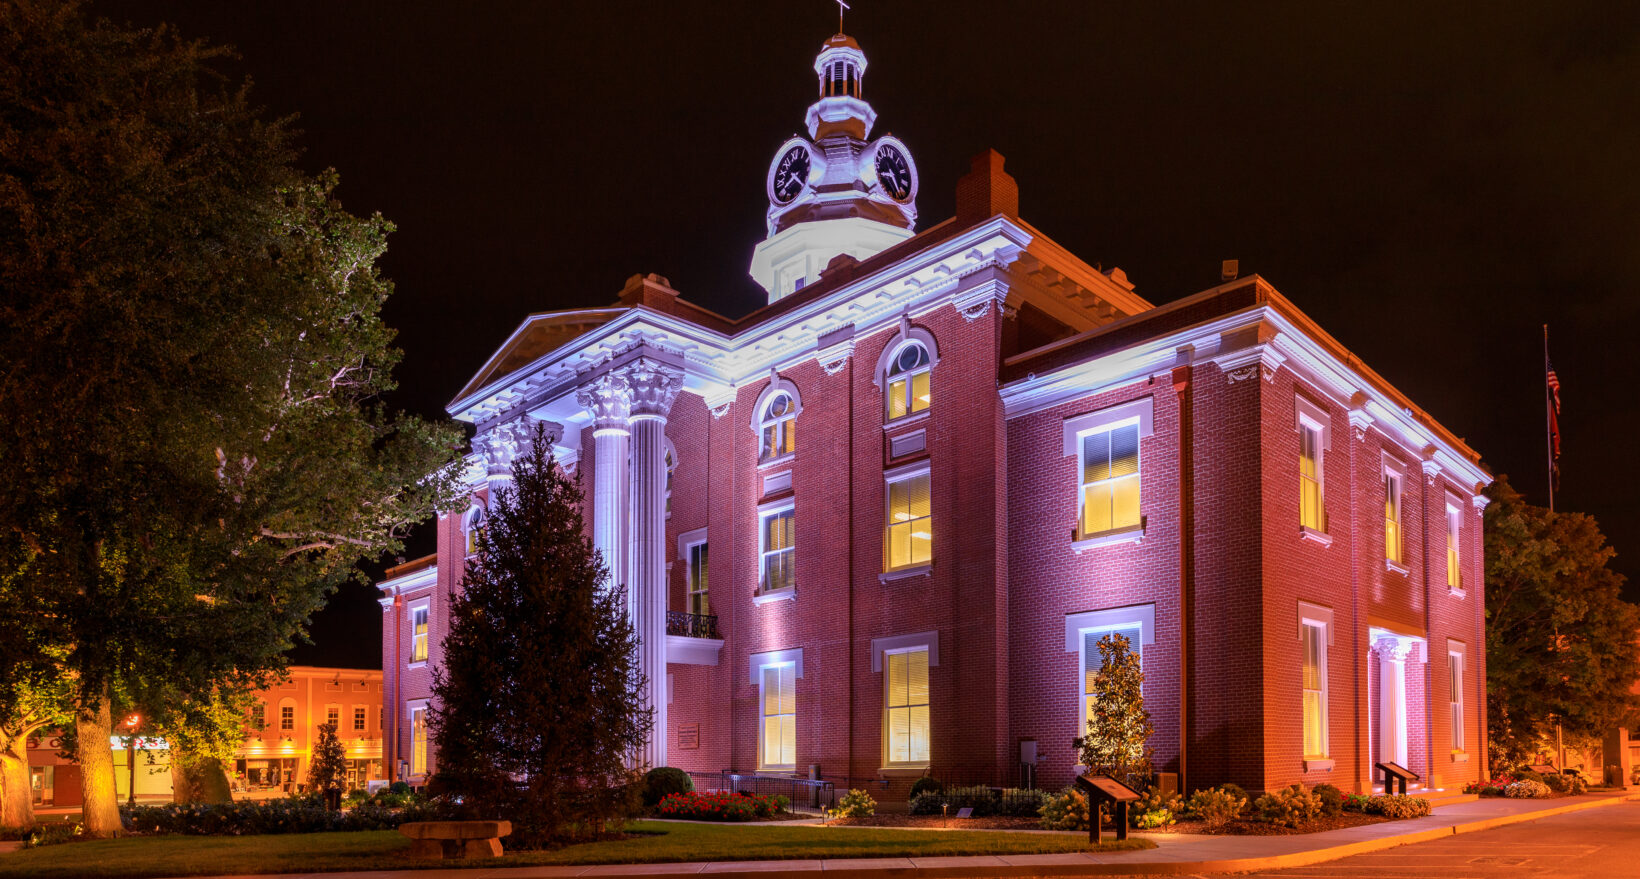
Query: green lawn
(384, 850)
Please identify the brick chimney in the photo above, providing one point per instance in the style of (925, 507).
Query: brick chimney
(986, 190)
(651, 290)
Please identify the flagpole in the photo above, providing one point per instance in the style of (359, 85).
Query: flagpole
(1548, 416)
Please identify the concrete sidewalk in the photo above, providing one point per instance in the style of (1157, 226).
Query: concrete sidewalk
(1176, 853)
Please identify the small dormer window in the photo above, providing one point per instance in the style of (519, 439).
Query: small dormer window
(779, 427)
(908, 390)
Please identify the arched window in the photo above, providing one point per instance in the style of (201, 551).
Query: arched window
(473, 525)
(671, 464)
(779, 428)
(907, 391)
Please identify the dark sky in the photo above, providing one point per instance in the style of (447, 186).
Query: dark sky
(1431, 181)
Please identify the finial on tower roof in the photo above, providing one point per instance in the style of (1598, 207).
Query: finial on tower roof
(840, 7)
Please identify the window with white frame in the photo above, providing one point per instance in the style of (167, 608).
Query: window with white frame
(1110, 478)
(1454, 671)
(777, 737)
(1092, 660)
(333, 715)
(699, 600)
(475, 530)
(1315, 688)
(906, 726)
(671, 464)
(1311, 510)
(908, 391)
(1454, 526)
(779, 427)
(776, 541)
(419, 617)
(418, 740)
(909, 539)
(287, 717)
(1392, 516)
(358, 718)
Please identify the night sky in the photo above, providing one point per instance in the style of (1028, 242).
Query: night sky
(1432, 182)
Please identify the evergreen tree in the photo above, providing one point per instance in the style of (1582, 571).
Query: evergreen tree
(1116, 741)
(537, 706)
(328, 762)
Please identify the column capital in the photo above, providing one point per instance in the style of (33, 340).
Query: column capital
(609, 398)
(1392, 648)
(653, 386)
(502, 444)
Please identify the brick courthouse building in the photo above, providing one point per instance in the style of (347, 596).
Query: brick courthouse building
(877, 526)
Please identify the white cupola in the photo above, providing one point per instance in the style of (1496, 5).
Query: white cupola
(834, 192)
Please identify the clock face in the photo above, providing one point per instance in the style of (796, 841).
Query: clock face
(894, 172)
(791, 174)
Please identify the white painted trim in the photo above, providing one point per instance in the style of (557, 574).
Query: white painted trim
(686, 540)
(1142, 411)
(1142, 615)
(776, 385)
(693, 651)
(908, 332)
(1133, 534)
(906, 471)
(758, 661)
(904, 643)
(1319, 614)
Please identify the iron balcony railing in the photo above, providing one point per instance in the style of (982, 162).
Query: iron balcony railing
(692, 625)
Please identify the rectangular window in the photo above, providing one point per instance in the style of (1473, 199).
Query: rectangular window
(777, 541)
(287, 718)
(358, 720)
(779, 733)
(907, 721)
(1091, 661)
(418, 741)
(1315, 690)
(333, 715)
(910, 532)
(1454, 522)
(1392, 516)
(698, 601)
(259, 717)
(1311, 513)
(1454, 664)
(1110, 479)
(418, 636)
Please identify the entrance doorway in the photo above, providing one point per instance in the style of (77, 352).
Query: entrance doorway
(1397, 707)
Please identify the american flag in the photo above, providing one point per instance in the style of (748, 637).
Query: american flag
(1554, 413)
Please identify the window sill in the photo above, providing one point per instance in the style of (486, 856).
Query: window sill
(776, 461)
(1133, 534)
(420, 663)
(789, 593)
(790, 770)
(1457, 592)
(904, 770)
(1307, 533)
(1397, 567)
(1319, 764)
(906, 420)
(905, 573)
(1460, 756)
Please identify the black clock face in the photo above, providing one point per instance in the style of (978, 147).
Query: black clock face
(791, 174)
(894, 172)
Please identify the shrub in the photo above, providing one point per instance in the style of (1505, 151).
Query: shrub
(1067, 810)
(983, 800)
(663, 781)
(1578, 786)
(716, 806)
(1214, 806)
(926, 785)
(55, 833)
(1022, 802)
(1356, 802)
(1288, 807)
(1236, 790)
(854, 804)
(1526, 788)
(927, 803)
(1556, 782)
(1398, 806)
(288, 815)
(1332, 799)
(399, 787)
(1154, 809)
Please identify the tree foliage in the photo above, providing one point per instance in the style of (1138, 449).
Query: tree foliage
(193, 451)
(1117, 739)
(328, 762)
(538, 700)
(1561, 643)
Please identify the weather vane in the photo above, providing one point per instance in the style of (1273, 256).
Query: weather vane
(840, 7)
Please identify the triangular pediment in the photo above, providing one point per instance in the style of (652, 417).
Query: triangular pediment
(538, 335)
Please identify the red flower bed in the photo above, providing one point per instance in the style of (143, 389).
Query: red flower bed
(716, 806)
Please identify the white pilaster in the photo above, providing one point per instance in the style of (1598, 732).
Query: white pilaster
(653, 387)
(1392, 699)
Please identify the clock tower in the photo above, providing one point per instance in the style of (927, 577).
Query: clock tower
(835, 191)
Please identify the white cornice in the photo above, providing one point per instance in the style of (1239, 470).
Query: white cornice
(417, 579)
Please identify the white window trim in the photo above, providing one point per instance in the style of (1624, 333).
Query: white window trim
(901, 474)
(775, 659)
(1125, 534)
(1322, 616)
(356, 726)
(287, 702)
(1078, 426)
(755, 663)
(929, 641)
(1142, 615)
(687, 541)
(885, 361)
(1119, 628)
(474, 514)
(909, 644)
(1393, 467)
(1458, 707)
(763, 512)
(776, 385)
(410, 708)
(1310, 416)
(427, 605)
(328, 707)
(1454, 505)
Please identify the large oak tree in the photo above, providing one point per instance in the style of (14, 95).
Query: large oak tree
(193, 451)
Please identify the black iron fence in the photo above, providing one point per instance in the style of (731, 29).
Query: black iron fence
(804, 795)
(692, 625)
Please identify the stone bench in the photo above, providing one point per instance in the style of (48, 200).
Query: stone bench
(456, 839)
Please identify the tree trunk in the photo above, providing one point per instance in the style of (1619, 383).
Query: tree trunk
(16, 791)
(93, 726)
(196, 779)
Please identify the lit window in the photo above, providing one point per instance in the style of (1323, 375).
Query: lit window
(1454, 522)
(358, 720)
(1315, 689)
(259, 717)
(779, 733)
(418, 741)
(777, 539)
(1110, 479)
(1454, 666)
(1392, 516)
(1092, 660)
(908, 381)
(671, 464)
(287, 718)
(475, 531)
(1310, 510)
(418, 636)
(333, 715)
(779, 427)
(907, 706)
(910, 538)
(699, 603)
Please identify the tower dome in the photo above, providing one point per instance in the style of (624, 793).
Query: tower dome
(835, 191)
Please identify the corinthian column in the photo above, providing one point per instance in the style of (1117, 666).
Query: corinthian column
(503, 444)
(653, 388)
(610, 401)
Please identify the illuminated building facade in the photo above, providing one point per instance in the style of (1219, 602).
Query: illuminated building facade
(875, 529)
(284, 723)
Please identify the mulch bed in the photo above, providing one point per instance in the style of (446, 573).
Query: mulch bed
(1239, 827)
